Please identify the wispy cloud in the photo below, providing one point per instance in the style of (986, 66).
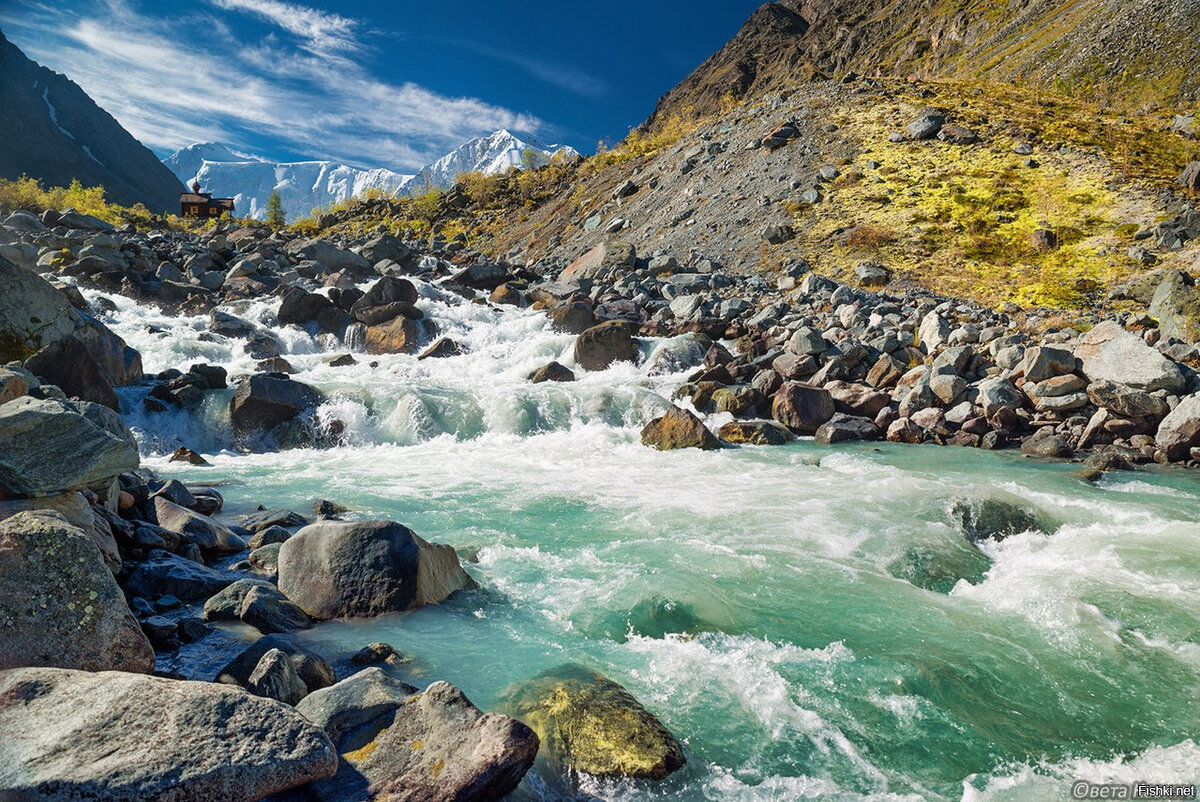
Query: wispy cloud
(551, 72)
(194, 76)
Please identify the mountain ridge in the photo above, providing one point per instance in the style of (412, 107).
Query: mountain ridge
(53, 131)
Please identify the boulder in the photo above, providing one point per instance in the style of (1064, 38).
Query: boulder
(571, 317)
(385, 299)
(299, 307)
(1127, 401)
(257, 603)
(128, 737)
(59, 603)
(588, 723)
(213, 538)
(51, 446)
(998, 393)
(756, 433)
(14, 384)
(336, 569)
(433, 746)
(1176, 306)
(33, 314)
(603, 261)
(1190, 177)
(399, 335)
(926, 126)
(328, 254)
(1180, 430)
(265, 400)
(1110, 353)
(841, 428)
(1044, 362)
(482, 276)
(67, 364)
(602, 345)
(802, 407)
(275, 678)
(553, 372)
(163, 574)
(996, 519)
(678, 428)
(312, 669)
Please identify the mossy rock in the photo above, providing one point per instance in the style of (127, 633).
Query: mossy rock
(588, 723)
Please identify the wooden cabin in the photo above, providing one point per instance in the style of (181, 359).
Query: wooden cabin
(203, 204)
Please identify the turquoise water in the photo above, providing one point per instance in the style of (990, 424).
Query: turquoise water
(807, 620)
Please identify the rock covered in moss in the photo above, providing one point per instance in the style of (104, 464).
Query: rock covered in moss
(589, 723)
(678, 428)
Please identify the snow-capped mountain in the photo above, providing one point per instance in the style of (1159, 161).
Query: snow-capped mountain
(491, 154)
(304, 186)
(249, 180)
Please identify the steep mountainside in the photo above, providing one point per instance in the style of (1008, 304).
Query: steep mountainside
(50, 129)
(249, 180)
(1131, 51)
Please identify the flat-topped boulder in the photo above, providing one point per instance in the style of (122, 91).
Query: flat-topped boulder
(1110, 353)
(72, 735)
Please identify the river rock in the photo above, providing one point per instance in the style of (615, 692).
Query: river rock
(313, 670)
(606, 343)
(996, 519)
(164, 574)
(1110, 353)
(33, 314)
(434, 746)
(678, 428)
(399, 335)
(553, 372)
(257, 603)
(266, 400)
(337, 569)
(51, 446)
(571, 317)
(1180, 430)
(275, 678)
(591, 724)
(605, 260)
(68, 365)
(299, 307)
(802, 407)
(59, 603)
(212, 537)
(997, 393)
(333, 257)
(756, 433)
(842, 428)
(384, 300)
(1127, 401)
(128, 737)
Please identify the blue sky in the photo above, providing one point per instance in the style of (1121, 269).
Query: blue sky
(373, 84)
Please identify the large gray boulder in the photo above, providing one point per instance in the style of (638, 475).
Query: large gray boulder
(997, 393)
(72, 735)
(337, 569)
(1110, 353)
(59, 603)
(164, 574)
(50, 446)
(33, 314)
(1180, 430)
(433, 746)
(265, 400)
(330, 255)
(803, 408)
(602, 261)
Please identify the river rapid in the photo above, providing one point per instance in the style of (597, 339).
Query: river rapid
(808, 620)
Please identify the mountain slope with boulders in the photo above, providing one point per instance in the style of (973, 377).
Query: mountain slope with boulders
(51, 130)
(1131, 53)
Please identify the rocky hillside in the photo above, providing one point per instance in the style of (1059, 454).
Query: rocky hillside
(1130, 53)
(51, 130)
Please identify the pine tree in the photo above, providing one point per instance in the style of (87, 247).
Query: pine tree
(275, 217)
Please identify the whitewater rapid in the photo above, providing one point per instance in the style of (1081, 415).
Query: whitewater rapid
(770, 604)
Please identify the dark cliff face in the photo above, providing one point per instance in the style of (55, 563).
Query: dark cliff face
(1130, 51)
(50, 129)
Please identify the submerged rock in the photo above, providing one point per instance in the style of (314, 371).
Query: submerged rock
(939, 568)
(591, 724)
(118, 736)
(996, 519)
(59, 603)
(335, 569)
(433, 746)
(553, 372)
(678, 428)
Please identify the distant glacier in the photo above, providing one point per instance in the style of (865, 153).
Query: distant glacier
(307, 185)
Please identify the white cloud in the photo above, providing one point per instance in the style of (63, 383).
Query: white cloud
(178, 79)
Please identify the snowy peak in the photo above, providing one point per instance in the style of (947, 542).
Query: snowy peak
(495, 153)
